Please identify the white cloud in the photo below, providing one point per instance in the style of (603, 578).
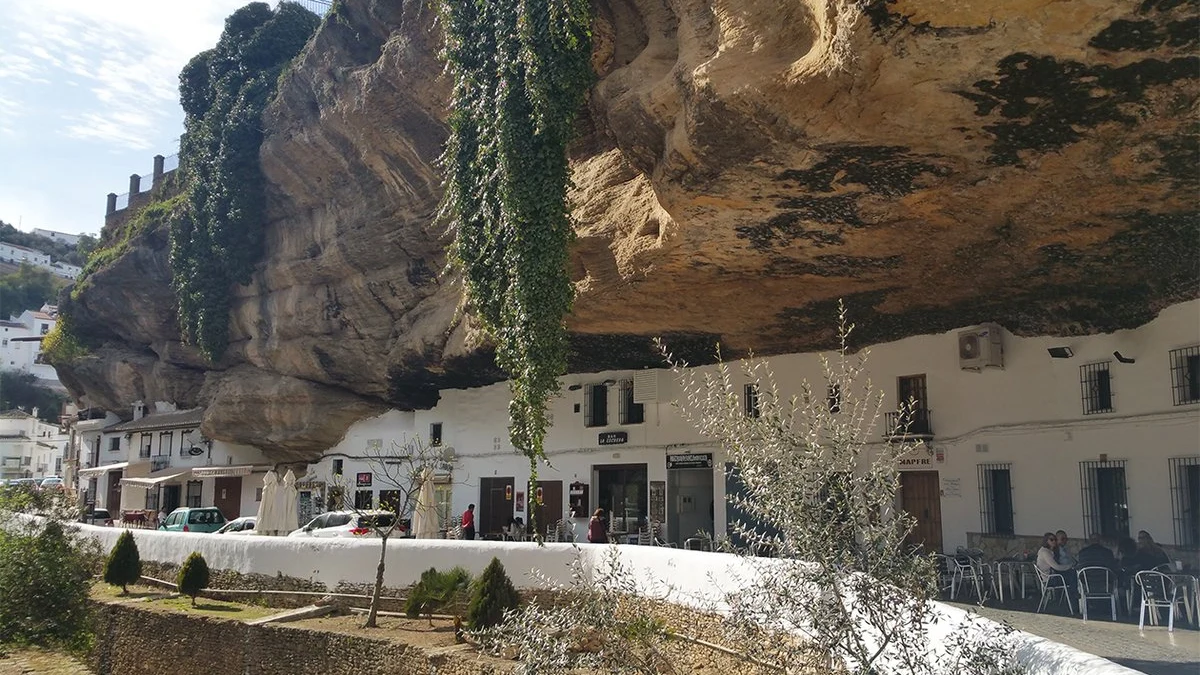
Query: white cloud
(127, 54)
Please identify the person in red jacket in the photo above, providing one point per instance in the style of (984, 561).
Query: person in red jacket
(597, 528)
(468, 522)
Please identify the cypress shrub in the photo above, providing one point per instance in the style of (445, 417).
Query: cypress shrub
(124, 564)
(193, 576)
(493, 594)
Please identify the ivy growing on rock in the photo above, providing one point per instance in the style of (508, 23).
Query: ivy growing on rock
(521, 69)
(218, 239)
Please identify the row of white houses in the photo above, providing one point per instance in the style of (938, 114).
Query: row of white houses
(1020, 436)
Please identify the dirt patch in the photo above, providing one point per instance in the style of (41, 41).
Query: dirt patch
(415, 632)
(34, 661)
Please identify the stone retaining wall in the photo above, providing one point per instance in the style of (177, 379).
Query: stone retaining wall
(137, 641)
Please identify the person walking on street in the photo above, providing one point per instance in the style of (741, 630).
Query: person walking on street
(468, 522)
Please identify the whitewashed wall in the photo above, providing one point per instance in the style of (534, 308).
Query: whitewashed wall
(695, 578)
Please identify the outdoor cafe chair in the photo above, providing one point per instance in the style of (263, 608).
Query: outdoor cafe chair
(1097, 583)
(968, 568)
(1158, 591)
(1053, 583)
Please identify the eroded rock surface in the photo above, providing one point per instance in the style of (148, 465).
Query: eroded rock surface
(1021, 161)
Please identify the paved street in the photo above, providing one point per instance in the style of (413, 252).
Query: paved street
(1153, 651)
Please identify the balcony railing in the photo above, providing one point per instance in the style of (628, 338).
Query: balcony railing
(916, 424)
(159, 463)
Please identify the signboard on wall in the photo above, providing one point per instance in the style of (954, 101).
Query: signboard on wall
(658, 501)
(195, 451)
(520, 502)
(613, 437)
(695, 460)
(363, 479)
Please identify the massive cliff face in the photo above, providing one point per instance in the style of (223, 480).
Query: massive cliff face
(1028, 162)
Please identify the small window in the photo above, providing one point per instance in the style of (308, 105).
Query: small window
(195, 491)
(45, 328)
(1185, 499)
(1185, 375)
(435, 434)
(337, 467)
(596, 409)
(114, 443)
(630, 412)
(1095, 379)
(750, 398)
(364, 499)
(995, 498)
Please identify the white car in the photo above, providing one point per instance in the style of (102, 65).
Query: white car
(243, 525)
(51, 482)
(349, 524)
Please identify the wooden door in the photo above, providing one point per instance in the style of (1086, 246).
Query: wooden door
(551, 509)
(496, 504)
(921, 497)
(228, 496)
(113, 501)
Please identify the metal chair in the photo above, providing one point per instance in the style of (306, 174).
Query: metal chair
(1158, 591)
(696, 544)
(1097, 583)
(946, 571)
(968, 568)
(1053, 583)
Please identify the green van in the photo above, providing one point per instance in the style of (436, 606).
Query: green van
(183, 519)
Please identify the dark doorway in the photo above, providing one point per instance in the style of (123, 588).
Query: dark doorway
(1111, 511)
(623, 492)
(920, 496)
(113, 501)
(496, 504)
(228, 497)
(550, 511)
(170, 497)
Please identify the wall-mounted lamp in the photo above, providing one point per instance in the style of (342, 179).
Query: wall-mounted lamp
(575, 387)
(609, 382)
(1060, 352)
(1123, 359)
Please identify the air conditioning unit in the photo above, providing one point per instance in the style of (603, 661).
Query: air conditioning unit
(645, 386)
(981, 348)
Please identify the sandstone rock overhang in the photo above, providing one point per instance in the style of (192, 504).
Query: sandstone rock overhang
(1031, 165)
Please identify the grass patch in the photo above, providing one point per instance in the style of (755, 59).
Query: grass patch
(103, 592)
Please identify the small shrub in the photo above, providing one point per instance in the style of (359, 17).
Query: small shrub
(493, 595)
(193, 576)
(44, 577)
(124, 565)
(437, 590)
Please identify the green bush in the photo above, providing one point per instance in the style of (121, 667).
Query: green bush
(193, 576)
(437, 590)
(494, 594)
(124, 565)
(44, 582)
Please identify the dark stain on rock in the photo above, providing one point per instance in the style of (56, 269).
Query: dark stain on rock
(1180, 155)
(887, 23)
(1124, 34)
(419, 273)
(1059, 253)
(592, 353)
(833, 265)
(1046, 103)
(328, 363)
(414, 381)
(785, 228)
(1185, 33)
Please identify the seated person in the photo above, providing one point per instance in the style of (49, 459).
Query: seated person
(1147, 556)
(1096, 554)
(1049, 562)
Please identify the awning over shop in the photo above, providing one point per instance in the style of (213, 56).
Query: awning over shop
(150, 483)
(221, 471)
(97, 471)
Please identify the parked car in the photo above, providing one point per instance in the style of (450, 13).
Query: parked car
(243, 525)
(348, 524)
(190, 519)
(52, 482)
(27, 483)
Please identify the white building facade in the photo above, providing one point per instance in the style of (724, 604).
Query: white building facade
(1097, 433)
(159, 461)
(21, 343)
(61, 237)
(16, 255)
(29, 447)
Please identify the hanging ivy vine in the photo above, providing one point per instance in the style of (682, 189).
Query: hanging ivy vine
(521, 69)
(217, 240)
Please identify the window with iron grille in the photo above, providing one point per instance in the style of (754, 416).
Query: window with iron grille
(195, 490)
(1185, 499)
(595, 412)
(1185, 375)
(337, 466)
(750, 397)
(145, 440)
(1095, 380)
(1105, 498)
(114, 443)
(630, 412)
(152, 499)
(995, 498)
(435, 434)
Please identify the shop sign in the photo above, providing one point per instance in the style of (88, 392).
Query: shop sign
(195, 451)
(698, 460)
(614, 437)
(915, 461)
(363, 479)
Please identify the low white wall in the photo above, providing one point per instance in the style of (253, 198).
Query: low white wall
(691, 578)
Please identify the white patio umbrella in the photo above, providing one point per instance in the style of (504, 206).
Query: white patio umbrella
(288, 510)
(425, 518)
(267, 507)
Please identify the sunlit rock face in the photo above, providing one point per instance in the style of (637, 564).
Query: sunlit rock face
(1026, 162)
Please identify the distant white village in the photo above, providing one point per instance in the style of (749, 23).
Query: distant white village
(17, 255)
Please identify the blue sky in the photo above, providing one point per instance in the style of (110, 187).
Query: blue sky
(88, 96)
